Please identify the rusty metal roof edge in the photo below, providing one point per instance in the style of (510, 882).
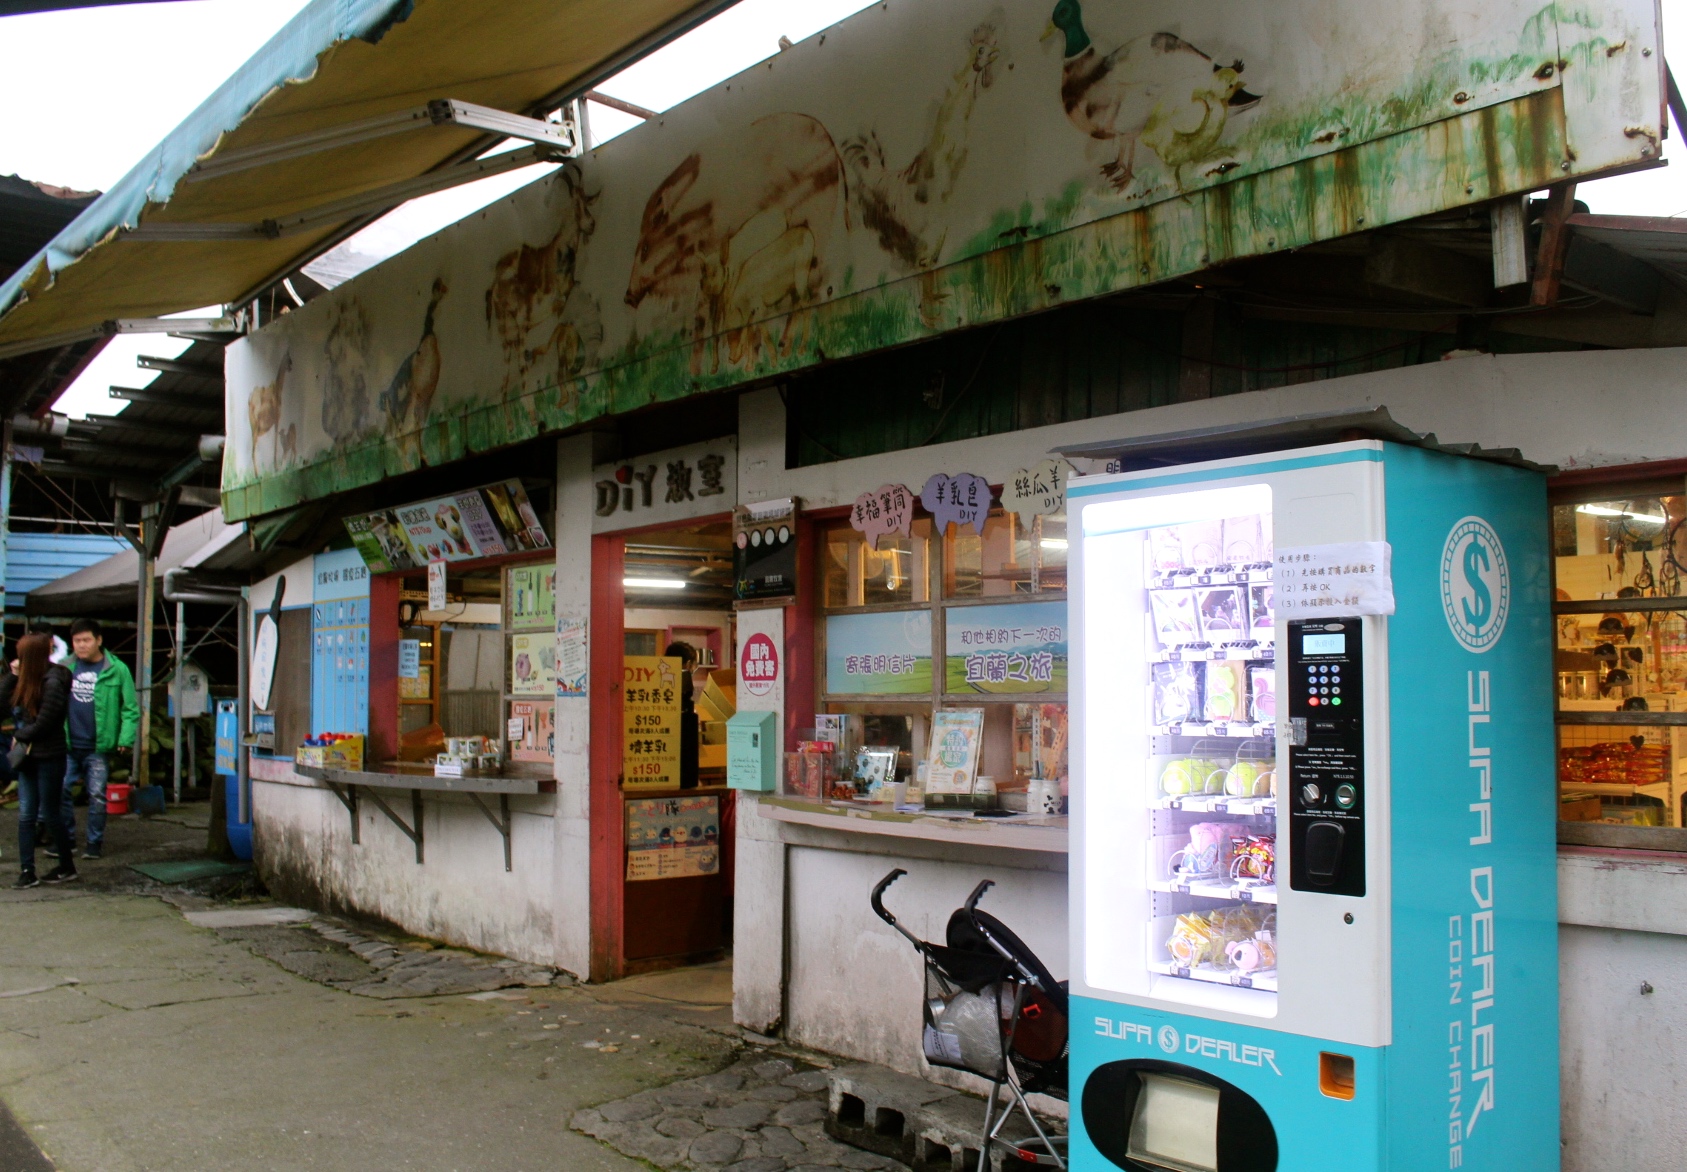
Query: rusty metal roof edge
(1290, 431)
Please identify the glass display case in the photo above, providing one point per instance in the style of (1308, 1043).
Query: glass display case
(1620, 659)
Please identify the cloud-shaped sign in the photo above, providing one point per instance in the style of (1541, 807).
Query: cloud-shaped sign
(963, 500)
(889, 509)
(1038, 491)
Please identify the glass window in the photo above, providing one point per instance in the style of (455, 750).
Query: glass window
(1008, 558)
(1620, 659)
(897, 571)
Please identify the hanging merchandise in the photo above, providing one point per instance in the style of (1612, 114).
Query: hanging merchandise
(887, 509)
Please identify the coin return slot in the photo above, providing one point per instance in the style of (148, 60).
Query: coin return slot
(1335, 1075)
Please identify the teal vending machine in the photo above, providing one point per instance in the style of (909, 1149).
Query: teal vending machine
(1313, 884)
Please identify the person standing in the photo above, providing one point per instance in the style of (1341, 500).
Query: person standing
(37, 693)
(102, 719)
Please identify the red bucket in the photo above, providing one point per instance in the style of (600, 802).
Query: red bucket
(117, 797)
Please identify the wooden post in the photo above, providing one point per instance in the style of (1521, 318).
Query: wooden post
(1555, 242)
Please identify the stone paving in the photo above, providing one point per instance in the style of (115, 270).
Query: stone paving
(329, 952)
(761, 1114)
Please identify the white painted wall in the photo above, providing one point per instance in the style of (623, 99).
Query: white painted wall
(460, 893)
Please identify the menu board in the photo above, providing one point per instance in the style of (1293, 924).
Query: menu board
(533, 596)
(532, 731)
(650, 710)
(533, 664)
(671, 838)
(489, 521)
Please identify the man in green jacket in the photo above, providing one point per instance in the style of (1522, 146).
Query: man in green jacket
(101, 719)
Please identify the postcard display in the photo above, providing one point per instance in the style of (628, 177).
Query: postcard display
(1297, 877)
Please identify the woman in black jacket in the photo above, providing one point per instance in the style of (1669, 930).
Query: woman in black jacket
(36, 692)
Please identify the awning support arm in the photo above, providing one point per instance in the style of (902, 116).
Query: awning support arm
(380, 199)
(413, 834)
(439, 112)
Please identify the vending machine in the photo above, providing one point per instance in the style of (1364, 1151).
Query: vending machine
(1313, 885)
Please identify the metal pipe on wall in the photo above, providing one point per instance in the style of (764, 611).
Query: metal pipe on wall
(176, 705)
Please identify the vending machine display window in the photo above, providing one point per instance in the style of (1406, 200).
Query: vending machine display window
(1620, 658)
(1181, 590)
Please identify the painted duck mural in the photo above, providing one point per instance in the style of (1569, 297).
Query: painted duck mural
(1156, 89)
(409, 395)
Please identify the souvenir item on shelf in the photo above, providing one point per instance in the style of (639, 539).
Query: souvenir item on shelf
(1226, 692)
(1191, 940)
(1255, 955)
(1203, 544)
(1165, 550)
(1261, 618)
(1206, 854)
(1223, 613)
(1192, 775)
(1176, 692)
(1262, 690)
(1232, 924)
(1175, 619)
(1244, 539)
(1254, 857)
(1250, 779)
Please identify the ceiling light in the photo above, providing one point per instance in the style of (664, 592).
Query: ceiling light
(1054, 543)
(654, 583)
(1607, 511)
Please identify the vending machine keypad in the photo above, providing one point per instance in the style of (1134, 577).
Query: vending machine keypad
(1327, 765)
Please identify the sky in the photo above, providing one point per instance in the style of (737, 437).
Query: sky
(101, 86)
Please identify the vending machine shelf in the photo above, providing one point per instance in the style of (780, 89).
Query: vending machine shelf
(1266, 981)
(1233, 891)
(1218, 576)
(1217, 804)
(1216, 729)
(1249, 649)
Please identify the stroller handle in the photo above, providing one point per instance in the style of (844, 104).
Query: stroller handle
(885, 915)
(978, 893)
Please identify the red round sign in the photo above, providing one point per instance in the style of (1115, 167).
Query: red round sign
(758, 665)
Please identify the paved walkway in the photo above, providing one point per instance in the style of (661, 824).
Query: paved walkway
(133, 1040)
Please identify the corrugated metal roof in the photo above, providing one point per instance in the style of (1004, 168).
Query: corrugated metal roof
(337, 62)
(109, 583)
(35, 559)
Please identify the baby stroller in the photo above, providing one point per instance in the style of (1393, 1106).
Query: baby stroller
(992, 1009)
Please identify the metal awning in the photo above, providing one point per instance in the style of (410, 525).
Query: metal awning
(207, 542)
(1224, 441)
(351, 108)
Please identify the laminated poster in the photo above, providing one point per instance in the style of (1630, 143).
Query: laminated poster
(536, 739)
(956, 735)
(1014, 648)
(650, 709)
(533, 596)
(533, 664)
(571, 657)
(672, 838)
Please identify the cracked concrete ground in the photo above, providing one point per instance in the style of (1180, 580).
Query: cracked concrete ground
(132, 1040)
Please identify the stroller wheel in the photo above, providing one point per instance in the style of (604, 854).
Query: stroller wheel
(1031, 1152)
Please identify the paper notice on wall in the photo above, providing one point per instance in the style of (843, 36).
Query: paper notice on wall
(436, 585)
(571, 664)
(1344, 580)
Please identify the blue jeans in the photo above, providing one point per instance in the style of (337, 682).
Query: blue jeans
(91, 769)
(40, 793)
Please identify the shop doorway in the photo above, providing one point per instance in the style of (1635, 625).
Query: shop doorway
(662, 816)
